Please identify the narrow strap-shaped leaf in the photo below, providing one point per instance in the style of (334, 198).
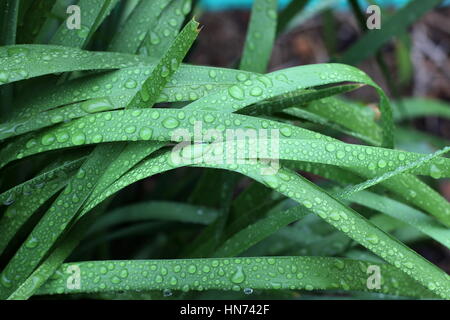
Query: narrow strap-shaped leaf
(259, 43)
(296, 99)
(399, 170)
(418, 107)
(155, 210)
(77, 110)
(329, 209)
(258, 231)
(21, 62)
(168, 65)
(347, 114)
(235, 97)
(404, 213)
(288, 80)
(188, 83)
(265, 273)
(132, 125)
(410, 188)
(261, 229)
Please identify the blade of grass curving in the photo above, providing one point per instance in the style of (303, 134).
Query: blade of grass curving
(300, 98)
(155, 210)
(283, 82)
(408, 187)
(22, 62)
(188, 83)
(288, 80)
(264, 227)
(416, 192)
(346, 114)
(412, 186)
(132, 125)
(307, 273)
(404, 213)
(329, 209)
(322, 121)
(77, 110)
(418, 107)
(254, 233)
(106, 103)
(399, 170)
(258, 45)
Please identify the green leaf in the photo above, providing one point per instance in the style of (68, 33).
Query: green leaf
(329, 209)
(155, 210)
(404, 213)
(259, 44)
(133, 125)
(307, 273)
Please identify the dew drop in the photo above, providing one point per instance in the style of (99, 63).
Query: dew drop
(236, 92)
(170, 123)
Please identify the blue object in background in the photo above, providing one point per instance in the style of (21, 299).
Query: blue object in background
(246, 4)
